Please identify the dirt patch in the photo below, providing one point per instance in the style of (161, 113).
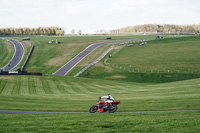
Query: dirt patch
(94, 55)
(26, 43)
(100, 64)
(9, 46)
(65, 57)
(56, 61)
(5, 77)
(116, 77)
(60, 60)
(90, 59)
(117, 47)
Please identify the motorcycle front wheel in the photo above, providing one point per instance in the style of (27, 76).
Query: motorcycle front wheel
(112, 109)
(93, 109)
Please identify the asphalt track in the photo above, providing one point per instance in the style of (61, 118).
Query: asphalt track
(137, 112)
(69, 65)
(19, 53)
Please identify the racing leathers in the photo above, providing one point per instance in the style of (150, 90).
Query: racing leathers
(108, 99)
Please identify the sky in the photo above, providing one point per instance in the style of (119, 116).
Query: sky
(92, 15)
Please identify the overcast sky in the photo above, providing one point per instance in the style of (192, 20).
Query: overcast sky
(92, 15)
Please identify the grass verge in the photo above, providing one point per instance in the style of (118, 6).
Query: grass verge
(183, 122)
(6, 52)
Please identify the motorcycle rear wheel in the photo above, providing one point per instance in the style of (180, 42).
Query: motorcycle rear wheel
(93, 109)
(113, 109)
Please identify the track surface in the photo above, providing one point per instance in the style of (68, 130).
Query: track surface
(34, 112)
(19, 53)
(69, 65)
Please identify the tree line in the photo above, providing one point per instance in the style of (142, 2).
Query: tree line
(32, 31)
(155, 28)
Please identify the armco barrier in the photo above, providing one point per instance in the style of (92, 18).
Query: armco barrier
(94, 62)
(20, 73)
(27, 59)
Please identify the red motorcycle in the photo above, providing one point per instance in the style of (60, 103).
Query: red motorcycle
(102, 106)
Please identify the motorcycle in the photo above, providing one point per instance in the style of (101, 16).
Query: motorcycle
(102, 106)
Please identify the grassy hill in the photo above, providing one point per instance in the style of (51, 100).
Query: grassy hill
(174, 54)
(161, 60)
(55, 93)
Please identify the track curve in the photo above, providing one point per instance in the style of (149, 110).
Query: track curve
(19, 53)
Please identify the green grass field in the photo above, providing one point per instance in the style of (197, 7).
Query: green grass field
(6, 52)
(186, 122)
(68, 94)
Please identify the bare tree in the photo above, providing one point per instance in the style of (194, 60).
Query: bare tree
(153, 28)
(73, 31)
(79, 32)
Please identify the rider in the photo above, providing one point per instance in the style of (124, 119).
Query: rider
(108, 99)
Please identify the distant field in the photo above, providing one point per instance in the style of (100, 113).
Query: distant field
(6, 52)
(178, 57)
(166, 54)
